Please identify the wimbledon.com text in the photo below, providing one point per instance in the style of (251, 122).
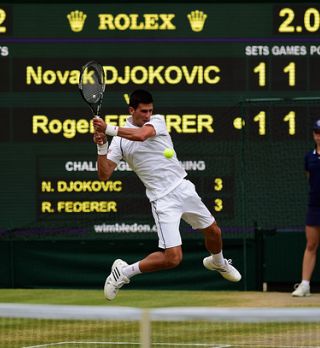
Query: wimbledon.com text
(122, 227)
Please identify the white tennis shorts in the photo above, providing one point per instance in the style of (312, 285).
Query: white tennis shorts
(182, 202)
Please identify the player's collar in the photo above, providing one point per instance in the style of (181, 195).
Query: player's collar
(129, 123)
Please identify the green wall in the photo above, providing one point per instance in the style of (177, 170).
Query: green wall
(85, 264)
(274, 258)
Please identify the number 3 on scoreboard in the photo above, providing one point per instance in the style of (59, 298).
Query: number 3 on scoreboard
(2, 19)
(218, 204)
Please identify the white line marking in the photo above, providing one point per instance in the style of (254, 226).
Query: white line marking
(208, 345)
(79, 342)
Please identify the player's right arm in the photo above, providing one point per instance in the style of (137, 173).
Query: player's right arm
(105, 166)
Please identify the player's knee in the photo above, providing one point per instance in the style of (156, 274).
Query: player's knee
(173, 260)
(216, 230)
(213, 231)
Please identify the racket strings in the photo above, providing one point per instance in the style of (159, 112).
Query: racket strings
(92, 85)
(93, 92)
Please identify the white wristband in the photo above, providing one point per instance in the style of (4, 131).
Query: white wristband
(102, 149)
(111, 130)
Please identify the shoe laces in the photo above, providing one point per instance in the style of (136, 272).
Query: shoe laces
(228, 262)
(225, 266)
(119, 284)
(295, 286)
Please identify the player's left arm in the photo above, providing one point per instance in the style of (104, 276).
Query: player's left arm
(133, 134)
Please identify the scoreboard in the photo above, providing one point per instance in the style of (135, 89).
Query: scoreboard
(238, 85)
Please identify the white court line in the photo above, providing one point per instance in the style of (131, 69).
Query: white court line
(79, 342)
(208, 345)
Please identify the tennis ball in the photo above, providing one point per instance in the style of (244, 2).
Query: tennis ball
(168, 153)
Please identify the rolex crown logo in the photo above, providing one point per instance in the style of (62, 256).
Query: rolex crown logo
(196, 20)
(76, 20)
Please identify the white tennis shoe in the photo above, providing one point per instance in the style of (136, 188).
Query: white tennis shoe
(226, 270)
(301, 290)
(115, 280)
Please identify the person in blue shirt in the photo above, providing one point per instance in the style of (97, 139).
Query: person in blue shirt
(312, 167)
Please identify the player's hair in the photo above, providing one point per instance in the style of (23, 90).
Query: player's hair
(140, 96)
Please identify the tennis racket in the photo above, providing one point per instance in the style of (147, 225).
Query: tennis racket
(92, 86)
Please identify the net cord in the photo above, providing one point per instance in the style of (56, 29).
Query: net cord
(37, 311)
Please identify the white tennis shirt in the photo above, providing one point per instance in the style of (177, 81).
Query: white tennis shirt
(159, 174)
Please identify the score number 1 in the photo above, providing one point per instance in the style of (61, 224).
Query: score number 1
(290, 118)
(3, 16)
(290, 69)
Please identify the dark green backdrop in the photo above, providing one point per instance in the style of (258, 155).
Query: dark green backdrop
(247, 163)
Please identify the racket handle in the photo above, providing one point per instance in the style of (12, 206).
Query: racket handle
(96, 116)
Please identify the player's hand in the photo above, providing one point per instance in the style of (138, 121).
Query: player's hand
(99, 125)
(99, 138)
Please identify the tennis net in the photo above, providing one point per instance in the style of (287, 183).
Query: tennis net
(40, 326)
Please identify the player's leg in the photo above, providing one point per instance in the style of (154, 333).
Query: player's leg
(199, 217)
(167, 219)
(216, 261)
(213, 238)
(309, 261)
(121, 272)
(160, 260)
(167, 215)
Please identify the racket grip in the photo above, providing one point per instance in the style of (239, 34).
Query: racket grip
(96, 116)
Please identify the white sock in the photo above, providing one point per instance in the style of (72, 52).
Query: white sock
(218, 258)
(305, 282)
(131, 270)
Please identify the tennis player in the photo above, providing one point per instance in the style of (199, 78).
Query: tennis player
(312, 228)
(141, 144)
